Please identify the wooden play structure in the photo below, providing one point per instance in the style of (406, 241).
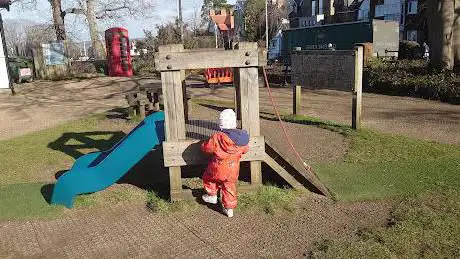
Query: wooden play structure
(178, 150)
(98, 170)
(141, 101)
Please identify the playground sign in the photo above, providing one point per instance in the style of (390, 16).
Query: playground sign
(53, 53)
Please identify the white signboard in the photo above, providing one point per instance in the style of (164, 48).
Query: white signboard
(53, 53)
(4, 81)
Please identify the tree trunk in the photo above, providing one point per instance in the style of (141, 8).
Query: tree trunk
(58, 19)
(441, 23)
(456, 36)
(98, 48)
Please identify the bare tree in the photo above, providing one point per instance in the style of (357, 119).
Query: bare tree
(15, 36)
(195, 23)
(57, 14)
(95, 10)
(58, 19)
(442, 19)
(456, 36)
(255, 18)
(37, 34)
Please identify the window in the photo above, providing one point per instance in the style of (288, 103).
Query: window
(364, 10)
(412, 35)
(379, 10)
(412, 7)
(313, 8)
(320, 6)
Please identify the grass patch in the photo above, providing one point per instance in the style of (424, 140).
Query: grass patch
(36, 157)
(113, 195)
(25, 201)
(425, 226)
(30, 161)
(269, 199)
(379, 166)
(157, 204)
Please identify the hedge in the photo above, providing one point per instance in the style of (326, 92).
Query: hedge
(412, 78)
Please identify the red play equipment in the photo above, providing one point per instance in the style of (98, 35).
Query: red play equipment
(225, 23)
(118, 52)
(219, 75)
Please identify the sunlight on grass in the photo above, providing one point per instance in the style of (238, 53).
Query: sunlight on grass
(25, 201)
(425, 226)
(28, 158)
(269, 199)
(379, 166)
(113, 195)
(158, 205)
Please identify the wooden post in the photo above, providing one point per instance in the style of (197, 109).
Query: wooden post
(150, 100)
(237, 97)
(156, 102)
(141, 109)
(357, 89)
(184, 95)
(172, 85)
(249, 107)
(297, 99)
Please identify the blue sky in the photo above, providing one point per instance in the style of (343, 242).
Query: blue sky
(165, 10)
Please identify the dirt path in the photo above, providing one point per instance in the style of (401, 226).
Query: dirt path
(416, 118)
(45, 104)
(129, 230)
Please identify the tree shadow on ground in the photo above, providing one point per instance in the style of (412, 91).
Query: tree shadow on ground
(215, 107)
(272, 117)
(47, 192)
(71, 143)
(118, 113)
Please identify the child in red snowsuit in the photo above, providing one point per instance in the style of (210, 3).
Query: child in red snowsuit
(225, 148)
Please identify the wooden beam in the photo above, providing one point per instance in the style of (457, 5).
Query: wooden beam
(188, 152)
(309, 175)
(358, 88)
(283, 173)
(169, 61)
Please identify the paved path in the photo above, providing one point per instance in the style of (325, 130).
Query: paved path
(44, 104)
(129, 230)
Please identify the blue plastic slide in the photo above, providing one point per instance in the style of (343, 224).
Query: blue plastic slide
(96, 171)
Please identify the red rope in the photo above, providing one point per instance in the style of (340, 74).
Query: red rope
(275, 107)
(311, 176)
